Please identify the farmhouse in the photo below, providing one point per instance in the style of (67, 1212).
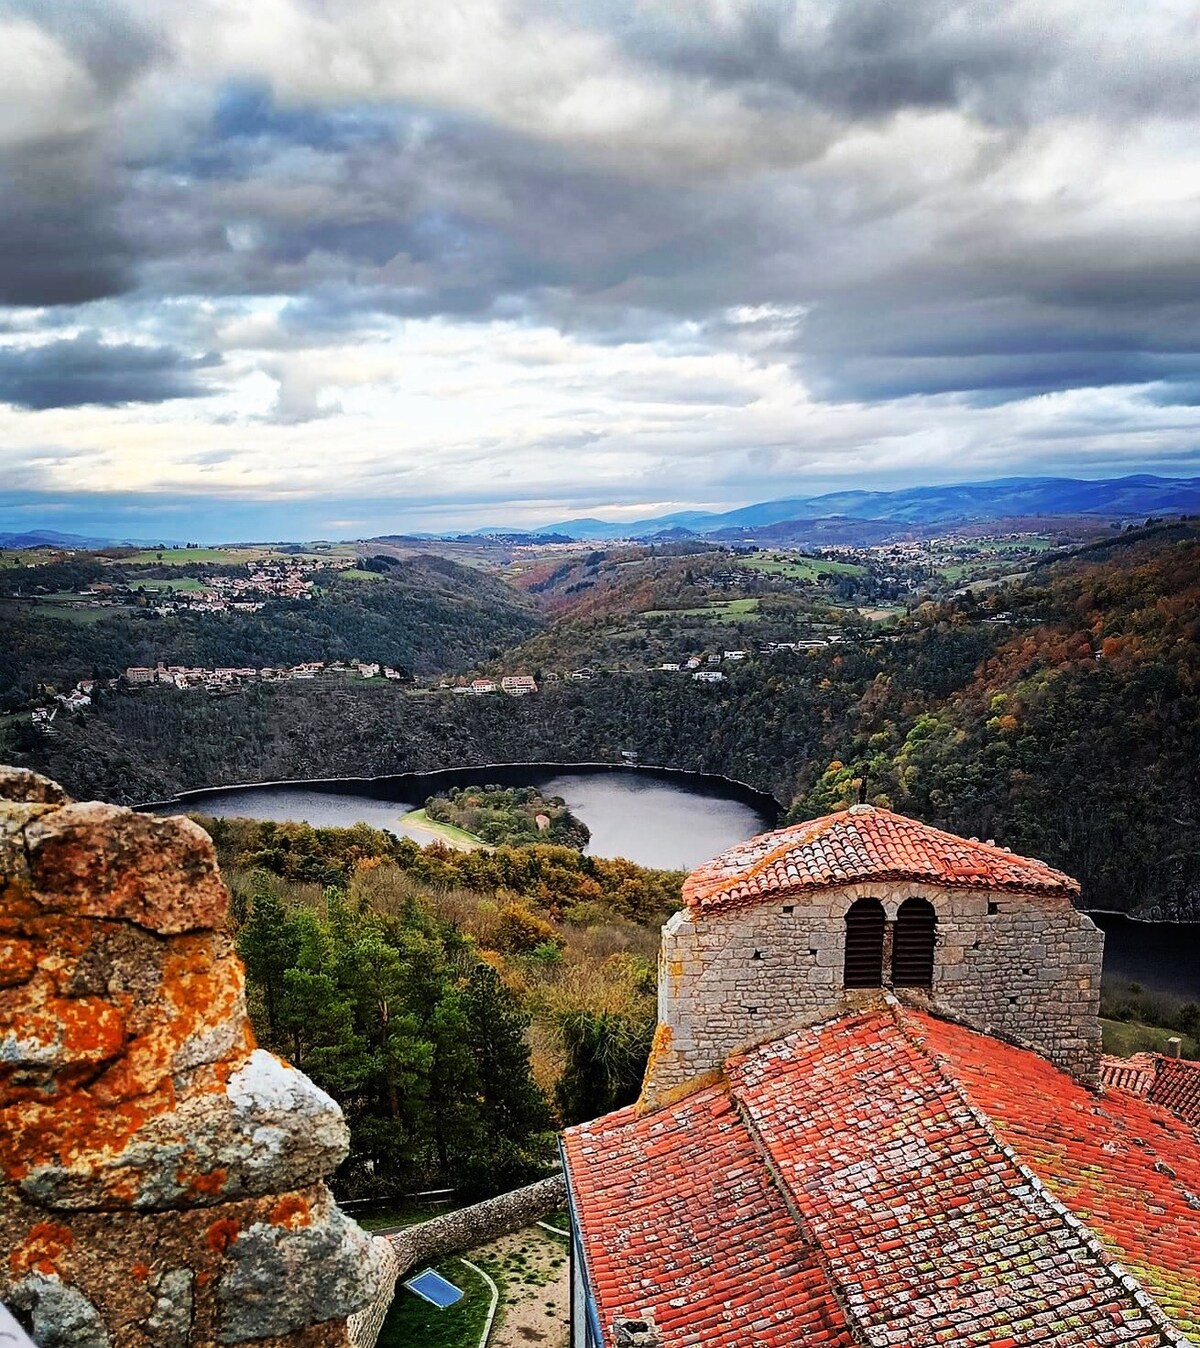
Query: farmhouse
(875, 1113)
(518, 685)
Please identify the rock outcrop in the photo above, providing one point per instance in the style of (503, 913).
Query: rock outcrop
(161, 1178)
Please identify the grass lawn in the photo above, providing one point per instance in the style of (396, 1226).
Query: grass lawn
(183, 585)
(451, 832)
(353, 573)
(796, 566)
(1126, 1037)
(413, 1321)
(729, 610)
(226, 556)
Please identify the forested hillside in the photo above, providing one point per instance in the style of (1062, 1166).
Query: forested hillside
(1058, 714)
(425, 615)
(1076, 739)
(456, 1004)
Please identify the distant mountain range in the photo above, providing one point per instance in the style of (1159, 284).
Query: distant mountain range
(1118, 498)
(51, 538)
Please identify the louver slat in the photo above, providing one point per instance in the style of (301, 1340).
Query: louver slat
(864, 945)
(913, 943)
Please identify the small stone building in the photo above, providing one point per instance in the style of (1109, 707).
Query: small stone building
(874, 1116)
(807, 920)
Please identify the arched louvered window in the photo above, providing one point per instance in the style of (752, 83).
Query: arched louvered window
(864, 944)
(912, 945)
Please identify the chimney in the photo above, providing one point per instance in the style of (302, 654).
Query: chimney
(629, 1333)
(1174, 1047)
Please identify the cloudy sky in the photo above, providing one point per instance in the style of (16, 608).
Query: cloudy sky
(310, 267)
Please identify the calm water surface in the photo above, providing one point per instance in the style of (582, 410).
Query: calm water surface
(675, 823)
(1163, 956)
(632, 814)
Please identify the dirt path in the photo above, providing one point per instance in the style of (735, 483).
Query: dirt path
(532, 1269)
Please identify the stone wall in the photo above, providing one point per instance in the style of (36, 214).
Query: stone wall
(465, 1228)
(161, 1179)
(364, 1326)
(1015, 965)
(453, 1232)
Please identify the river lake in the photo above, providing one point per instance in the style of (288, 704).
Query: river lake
(656, 818)
(670, 820)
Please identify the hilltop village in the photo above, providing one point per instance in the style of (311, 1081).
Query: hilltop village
(193, 585)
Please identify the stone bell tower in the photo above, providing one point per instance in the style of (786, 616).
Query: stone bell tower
(809, 921)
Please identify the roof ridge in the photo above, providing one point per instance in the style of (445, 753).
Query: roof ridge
(803, 1225)
(1120, 1275)
(865, 843)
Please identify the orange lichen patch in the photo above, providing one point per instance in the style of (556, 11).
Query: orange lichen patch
(71, 1128)
(222, 1233)
(680, 1091)
(201, 990)
(103, 861)
(210, 1183)
(291, 1211)
(62, 1038)
(140, 1271)
(202, 986)
(18, 960)
(40, 1250)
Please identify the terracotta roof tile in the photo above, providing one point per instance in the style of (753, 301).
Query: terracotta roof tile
(1177, 1087)
(683, 1223)
(1134, 1074)
(932, 1231)
(1126, 1166)
(940, 1186)
(862, 844)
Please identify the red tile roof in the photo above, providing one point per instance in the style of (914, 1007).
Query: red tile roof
(863, 843)
(1135, 1074)
(1177, 1087)
(684, 1223)
(1173, 1083)
(1125, 1166)
(938, 1185)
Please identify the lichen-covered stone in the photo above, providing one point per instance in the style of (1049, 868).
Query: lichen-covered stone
(269, 1129)
(170, 1323)
(19, 784)
(59, 1316)
(317, 1266)
(152, 1161)
(104, 861)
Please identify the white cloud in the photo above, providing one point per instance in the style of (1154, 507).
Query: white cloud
(542, 251)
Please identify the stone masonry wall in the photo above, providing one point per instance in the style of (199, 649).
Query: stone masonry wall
(364, 1326)
(452, 1233)
(161, 1179)
(464, 1228)
(1016, 965)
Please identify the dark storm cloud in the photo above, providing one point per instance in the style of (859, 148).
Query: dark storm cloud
(366, 205)
(60, 247)
(866, 59)
(872, 58)
(62, 187)
(84, 370)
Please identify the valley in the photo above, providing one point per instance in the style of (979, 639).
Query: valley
(1034, 688)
